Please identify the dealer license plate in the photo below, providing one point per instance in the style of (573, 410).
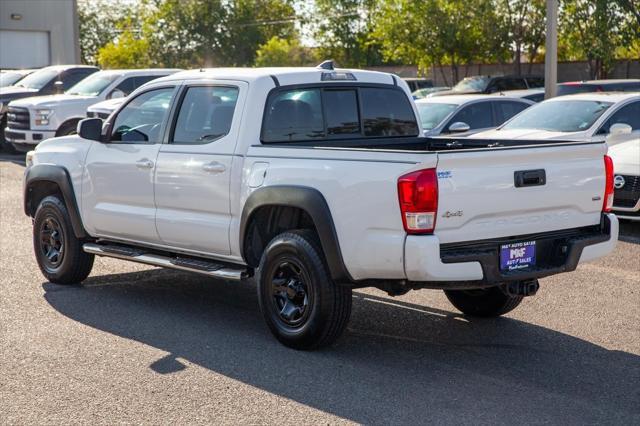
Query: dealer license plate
(517, 255)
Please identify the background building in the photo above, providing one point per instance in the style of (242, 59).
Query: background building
(37, 33)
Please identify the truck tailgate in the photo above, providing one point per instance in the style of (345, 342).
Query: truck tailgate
(494, 193)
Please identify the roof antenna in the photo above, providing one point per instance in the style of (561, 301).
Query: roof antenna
(326, 65)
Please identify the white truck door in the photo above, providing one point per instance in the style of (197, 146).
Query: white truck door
(194, 167)
(118, 198)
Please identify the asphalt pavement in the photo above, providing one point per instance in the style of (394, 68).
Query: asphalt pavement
(141, 345)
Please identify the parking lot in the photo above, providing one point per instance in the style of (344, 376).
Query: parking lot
(137, 343)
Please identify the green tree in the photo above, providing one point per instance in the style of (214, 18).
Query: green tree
(521, 28)
(128, 51)
(439, 32)
(278, 52)
(344, 32)
(98, 24)
(591, 30)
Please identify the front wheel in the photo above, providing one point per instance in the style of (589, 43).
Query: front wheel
(58, 251)
(303, 307)
(487, 302)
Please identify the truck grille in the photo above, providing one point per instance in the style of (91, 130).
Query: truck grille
(18, 118)
(628, 195)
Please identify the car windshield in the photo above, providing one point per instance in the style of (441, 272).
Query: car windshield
(93, 85)
(471, 84)
(432, 114)
(559, 116)
(38, 79)
(8, 78)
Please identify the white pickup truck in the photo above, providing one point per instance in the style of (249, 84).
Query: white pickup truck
(317, 181)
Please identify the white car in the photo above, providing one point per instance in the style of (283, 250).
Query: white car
(614, 117)
(626, 165)
(32, 120)
(465, 114)
(316, 181)
(105, 108)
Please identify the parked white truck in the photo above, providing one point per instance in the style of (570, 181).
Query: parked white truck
(32, 120)
(317, 181)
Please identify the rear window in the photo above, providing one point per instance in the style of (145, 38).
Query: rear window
(309, 114)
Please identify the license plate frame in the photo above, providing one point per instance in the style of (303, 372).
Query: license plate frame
(517, 256)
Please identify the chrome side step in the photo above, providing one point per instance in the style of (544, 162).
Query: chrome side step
(199, 266)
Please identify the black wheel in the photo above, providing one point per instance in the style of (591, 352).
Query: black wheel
(67, 129)
(301, 304)
(488, 302)
(58, 252)
(4, 145)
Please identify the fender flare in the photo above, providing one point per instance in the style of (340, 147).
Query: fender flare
(58, 175)
(314, 204)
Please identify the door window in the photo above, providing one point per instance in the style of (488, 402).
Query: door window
(505, 110)
(477, 116)
(628, 114)
(70, 78)
(205, 114)
(126, 86)
(141, 120)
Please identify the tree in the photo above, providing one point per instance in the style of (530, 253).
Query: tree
(278, 52)
(127, 51)
(98, 24)
(439, 32)
(522, 28)
(591, 30)
(344, 32)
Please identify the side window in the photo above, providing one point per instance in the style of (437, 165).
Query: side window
(294, 115)
(629, 114)
(341, 112)
(387, 112)
(140, 80)
(141, 119)
(126, 86)
(505, 110)
(477, 116)
(535, 82)
(205, 114)
(502, 84)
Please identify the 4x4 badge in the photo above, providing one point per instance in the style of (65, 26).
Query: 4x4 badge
(452, 214)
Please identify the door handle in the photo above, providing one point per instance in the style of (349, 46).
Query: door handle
(525, 178)
(214, 167)
(144, 164)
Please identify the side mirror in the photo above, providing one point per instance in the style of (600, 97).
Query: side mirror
(116, 94)
(58, 87)
(620, 129)
(459, 127)
(90, 128)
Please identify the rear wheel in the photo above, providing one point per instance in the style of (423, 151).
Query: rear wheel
(488, 302)
(58, 251)
(303, 307)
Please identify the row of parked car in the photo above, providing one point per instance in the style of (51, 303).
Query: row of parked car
(478, 109)
(50, 102)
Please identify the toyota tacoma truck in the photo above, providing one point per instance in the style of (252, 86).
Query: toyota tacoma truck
(314, 181)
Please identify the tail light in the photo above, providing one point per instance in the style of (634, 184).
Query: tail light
(418, 195)
(607, 204)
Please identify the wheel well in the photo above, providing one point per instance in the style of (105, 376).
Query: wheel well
(38, 192)
(267, 222)
(70, 122)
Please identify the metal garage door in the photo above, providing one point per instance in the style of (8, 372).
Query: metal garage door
(24, 49)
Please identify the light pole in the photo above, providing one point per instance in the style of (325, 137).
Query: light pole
(551, 51)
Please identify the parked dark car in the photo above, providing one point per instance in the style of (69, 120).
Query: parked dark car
(586, 86)
(46, 81)
(485, 84)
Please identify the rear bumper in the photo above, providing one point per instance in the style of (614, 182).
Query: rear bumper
(438, 265)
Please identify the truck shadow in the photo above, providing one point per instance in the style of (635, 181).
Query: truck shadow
(629, 231)
(12, 158)
(397, 363)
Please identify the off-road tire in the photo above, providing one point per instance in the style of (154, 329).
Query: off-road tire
(327, 313)
(488, 302)
(73, 264)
